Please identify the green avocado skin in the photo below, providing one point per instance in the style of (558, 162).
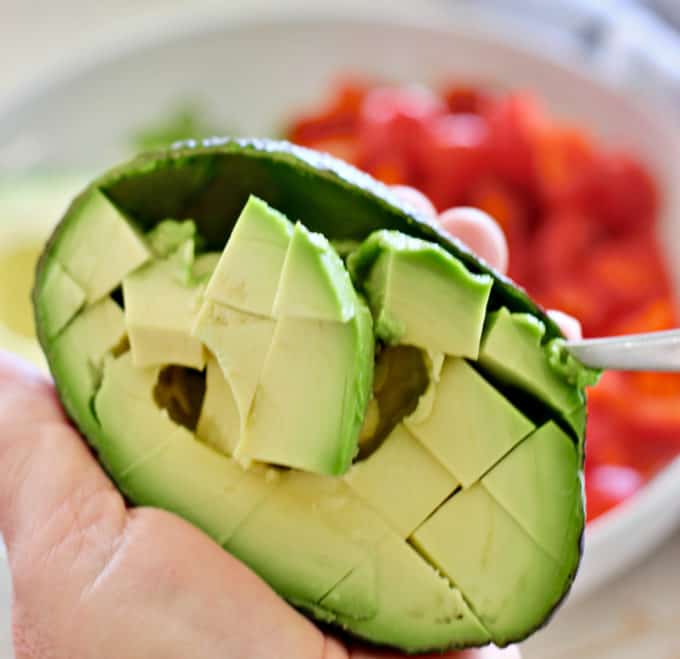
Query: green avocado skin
(209, 182)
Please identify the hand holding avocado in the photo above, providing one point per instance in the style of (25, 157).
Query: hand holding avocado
(77, 553)
(382, 439)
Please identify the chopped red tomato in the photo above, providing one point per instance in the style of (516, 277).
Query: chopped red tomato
(580, 219)
(466, 99)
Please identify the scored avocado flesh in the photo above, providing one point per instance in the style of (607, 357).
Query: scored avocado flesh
(419, 464)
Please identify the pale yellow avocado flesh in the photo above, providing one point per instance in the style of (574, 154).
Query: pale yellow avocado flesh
(259, 241)
(281, 302)
(452, 430)
(240, 342)
(100, 249)
(402, 480)
(475, 542)
(538, 485)
(314, 282)
(159, 314)
(294, 420)
(81, 347)
(412, 601)
(219, 424)
(319, 530)
(163, 464)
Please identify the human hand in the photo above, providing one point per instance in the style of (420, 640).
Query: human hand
(94, 579)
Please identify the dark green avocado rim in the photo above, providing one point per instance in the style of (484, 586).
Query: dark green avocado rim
(326, 194)
(210, 180)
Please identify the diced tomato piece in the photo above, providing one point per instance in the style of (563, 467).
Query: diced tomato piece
(604, 436)
(657, 314)
(338, 118)
(563, 153)
(383, 104)
(393, 126)
(628, 272)
(345, 148)
(619, 191)
(464, 99)
(657, 384)
(454, 157)
(514, 125)
(564, 242)
(609, 485)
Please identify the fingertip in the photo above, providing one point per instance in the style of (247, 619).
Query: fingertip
(570, 326)
(488, 652)
(480, 232)
(415, 199)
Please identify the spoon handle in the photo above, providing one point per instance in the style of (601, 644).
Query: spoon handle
(655, 351)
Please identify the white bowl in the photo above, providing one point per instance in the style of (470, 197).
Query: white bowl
(251, 72)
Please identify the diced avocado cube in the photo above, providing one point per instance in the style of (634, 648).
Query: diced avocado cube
(420, 295)
(471, 426)
(219, 424)
(168, 236)
(402, 480)
(314, 283)
(247, 275)
(240, 342)
(99, 247)
(318, 529)
(160, 309)
(77, 355)
(160, 463)
(414, 605)
(509, 581)
(65, 297)
(511, 351)
(538, 483)
(311, 421)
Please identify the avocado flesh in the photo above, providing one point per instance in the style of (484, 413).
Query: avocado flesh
(159, 311)
(512, 351)
(247, 275)
(84, 247)
(281, 301)
(396, 270)
(476, 558)
(320, 530)
(452, 428)
(417, 606)
(314, 282)
(219, 423)
(539, 485)
(324, 545)
(402, 480)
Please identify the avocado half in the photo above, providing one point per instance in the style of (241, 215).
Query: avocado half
(265, 341)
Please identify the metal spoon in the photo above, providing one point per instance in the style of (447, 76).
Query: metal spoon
(654, 351)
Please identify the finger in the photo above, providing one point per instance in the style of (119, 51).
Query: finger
(480, 232)
(489, 652)
(570, 326)
(415, 199)
(49, 478)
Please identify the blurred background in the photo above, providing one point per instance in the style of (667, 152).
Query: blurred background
(572, 144)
